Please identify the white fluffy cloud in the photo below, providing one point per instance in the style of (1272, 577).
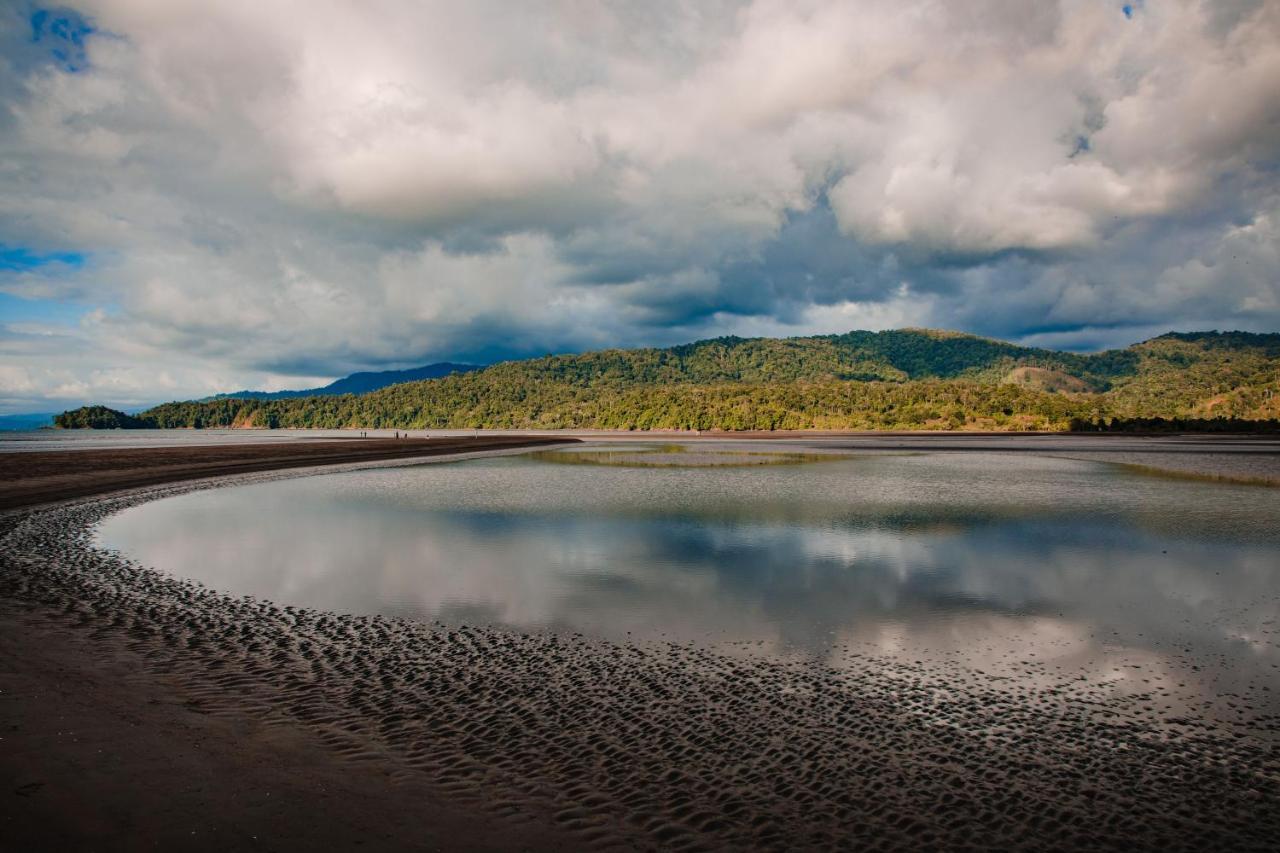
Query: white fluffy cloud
(295, 189)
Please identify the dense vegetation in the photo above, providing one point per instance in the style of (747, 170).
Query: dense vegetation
(1144, 425)
(99, 417)
(908, 379)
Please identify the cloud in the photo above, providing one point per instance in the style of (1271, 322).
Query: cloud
(261, 192)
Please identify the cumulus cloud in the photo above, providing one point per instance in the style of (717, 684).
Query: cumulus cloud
(271, 192)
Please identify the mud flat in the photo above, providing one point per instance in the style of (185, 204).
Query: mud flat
(1250, 459)
(47, 476)
(141, 710)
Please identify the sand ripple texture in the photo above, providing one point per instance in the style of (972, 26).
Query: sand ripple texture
(675, 747)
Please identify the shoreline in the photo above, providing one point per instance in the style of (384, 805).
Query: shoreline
(104, 752)
(40, 477)
(414, 735)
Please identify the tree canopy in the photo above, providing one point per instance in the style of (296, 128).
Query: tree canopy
(99, 417)
(905, 379)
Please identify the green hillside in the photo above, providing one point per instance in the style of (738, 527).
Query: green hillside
(905, 379)
(99, 417)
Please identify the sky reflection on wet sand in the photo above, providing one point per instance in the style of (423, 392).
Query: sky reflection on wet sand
(995, 562)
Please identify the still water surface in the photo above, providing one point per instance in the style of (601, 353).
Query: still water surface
(797, 552)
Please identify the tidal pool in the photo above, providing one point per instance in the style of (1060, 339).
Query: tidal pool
(997, 560)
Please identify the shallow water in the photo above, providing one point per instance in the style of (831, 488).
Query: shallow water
(982, 558)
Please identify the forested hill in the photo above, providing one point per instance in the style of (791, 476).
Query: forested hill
(895, 356)
(357, 383)
(906, 379)
(98, 417)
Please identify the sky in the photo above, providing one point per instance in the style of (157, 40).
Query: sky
(200, 197)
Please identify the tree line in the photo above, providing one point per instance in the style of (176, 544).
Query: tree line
(901, 380)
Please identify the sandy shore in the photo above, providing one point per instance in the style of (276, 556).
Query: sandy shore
(27, 479)
(141, 711)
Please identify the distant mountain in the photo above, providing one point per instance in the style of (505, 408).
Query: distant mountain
(903, 379)
(33, 420)
(357, 383)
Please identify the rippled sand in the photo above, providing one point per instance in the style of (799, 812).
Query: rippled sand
(676, 747)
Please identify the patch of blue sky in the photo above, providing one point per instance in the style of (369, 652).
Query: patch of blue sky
(62, 32)
(23, 259)
(16, 310)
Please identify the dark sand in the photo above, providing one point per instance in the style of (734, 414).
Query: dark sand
(39, 477)
(140, 711)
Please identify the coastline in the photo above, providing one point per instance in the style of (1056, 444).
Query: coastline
(40, 477)
(104, 752)
(203, 704)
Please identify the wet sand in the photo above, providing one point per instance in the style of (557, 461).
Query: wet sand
(31, 478)
(139, 711)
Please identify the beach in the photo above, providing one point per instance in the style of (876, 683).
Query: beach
(140, 710)
(31, 478)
